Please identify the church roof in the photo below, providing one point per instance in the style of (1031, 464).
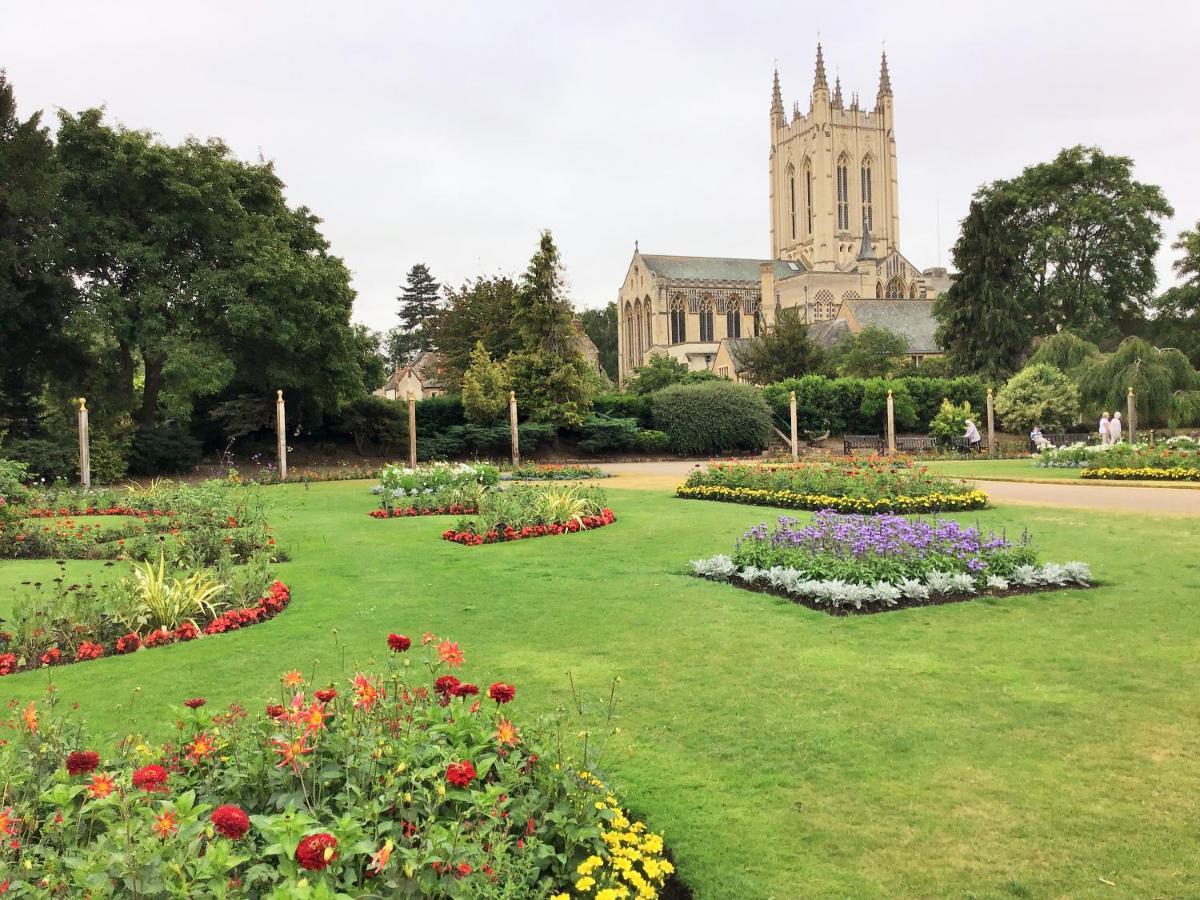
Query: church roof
(912, 319)
(718, 268)
(828, 332)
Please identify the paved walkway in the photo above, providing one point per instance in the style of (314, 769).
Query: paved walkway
(667, 474)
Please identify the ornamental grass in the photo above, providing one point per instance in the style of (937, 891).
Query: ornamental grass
(408, 783)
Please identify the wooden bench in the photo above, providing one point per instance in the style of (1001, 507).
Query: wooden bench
(1062, 439)
(852, 442)
(960, 444)
(916, 443)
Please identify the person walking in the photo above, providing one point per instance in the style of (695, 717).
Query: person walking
(1114, 429)
(972, 435)
(1104, 439)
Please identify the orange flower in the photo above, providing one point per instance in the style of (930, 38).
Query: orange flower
(428, 638)
(201, 748)
(366, 694)
(506, 733)
(314, 718)
(292, 679)
(102, 785)
(8, 821)
(165, 825)
(449, 653)
(380, 858)
(292, 753)
(29, 717)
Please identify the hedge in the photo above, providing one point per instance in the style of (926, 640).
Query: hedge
(712, 417)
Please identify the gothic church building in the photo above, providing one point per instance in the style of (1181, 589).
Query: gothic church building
(835, 234)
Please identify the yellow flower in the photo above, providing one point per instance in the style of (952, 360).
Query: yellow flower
(585, 884)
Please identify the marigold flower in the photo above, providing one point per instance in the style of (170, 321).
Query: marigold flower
(231, 821)
(316, 851)
(81, 762)
(450, 654)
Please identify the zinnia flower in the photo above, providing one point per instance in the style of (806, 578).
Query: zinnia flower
(194, 703)
(151, 778)
(506, 733)
(165, 825)
(201, 747)
(316, 851)
(502, 693)
(325, 695)
(464, 689)
(231, 822)
(81, 762)
(102, 785)
(398, 643)
(460, 774)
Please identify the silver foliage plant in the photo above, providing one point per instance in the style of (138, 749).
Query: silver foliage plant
(839, 594)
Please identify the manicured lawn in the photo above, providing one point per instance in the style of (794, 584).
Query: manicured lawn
(1026, 747)
(1008, 469)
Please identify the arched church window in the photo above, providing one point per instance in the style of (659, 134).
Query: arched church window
(629, 334)
(843, 193)
(678, 317)
(824, 306)
(649, 325)
(792, 198)
(733, 321)
(895, 289)
(912, 291)
(868, 217)
(808, 195)
(706, 319)
(637, 315)
(879, 290)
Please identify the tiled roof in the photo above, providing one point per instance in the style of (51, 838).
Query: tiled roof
(828, 332)
(718, 268)
(913, 319)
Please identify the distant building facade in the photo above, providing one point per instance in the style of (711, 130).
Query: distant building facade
(420, 377)
(835, 233)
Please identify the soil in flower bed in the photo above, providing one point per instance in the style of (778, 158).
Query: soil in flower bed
(471, 538)
(454, 509)
(904, 602)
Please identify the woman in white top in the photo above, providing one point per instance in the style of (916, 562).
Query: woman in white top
(1114, 429)
(1104, 439)
(972, 436)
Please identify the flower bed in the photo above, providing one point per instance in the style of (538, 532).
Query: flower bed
(397, 512)
(554, 472)
(434, 486)
(1175, 453)
(1142, 474)
(409, 783)
(84, 646)
(470, 537)
(873, 485)
(784, 499)
(854, 563)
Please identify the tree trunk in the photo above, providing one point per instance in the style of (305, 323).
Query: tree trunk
(155, 379)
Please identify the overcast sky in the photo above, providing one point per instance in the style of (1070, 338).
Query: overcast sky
(450, 133)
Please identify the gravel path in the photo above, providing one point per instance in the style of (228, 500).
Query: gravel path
(665, 475)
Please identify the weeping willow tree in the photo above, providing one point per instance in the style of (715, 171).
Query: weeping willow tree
(1066, 351)
(1166, 386)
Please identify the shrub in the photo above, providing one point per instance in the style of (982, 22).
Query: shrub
(12, 479)
(874, 404)
(108, 459)
(166, 447)
(652, 441)
(1038, 395)
(46, 459)
(601, 434)
(715, 417)
(624, 406)
(950, 422)
(374, 422)
(439, 413)
(485, 388)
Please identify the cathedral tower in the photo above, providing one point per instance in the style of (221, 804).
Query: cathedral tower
(833, 177)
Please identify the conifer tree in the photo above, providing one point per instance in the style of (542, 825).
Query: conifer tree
(419, 303)
(485, 388)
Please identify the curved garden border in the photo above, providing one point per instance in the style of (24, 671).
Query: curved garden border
(1142, 474)
(454, 509)
(937, 502)
(471, 538)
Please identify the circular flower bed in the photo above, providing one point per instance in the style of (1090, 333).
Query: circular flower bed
(473, 538)
(406, 783)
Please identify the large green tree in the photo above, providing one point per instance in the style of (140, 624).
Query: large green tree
(1176, 314)
(1066, 244)
(198, 277)
(549, 373)
(480, 310)
(1166, 387)
(420, 300)
(601, 326)
(872, 353)
(37, 298)
(783, 351)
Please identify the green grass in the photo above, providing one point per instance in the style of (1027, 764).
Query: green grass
(1006, 469)
(998, 748)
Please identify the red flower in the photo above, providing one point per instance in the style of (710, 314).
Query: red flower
(81, 762)
(502, 693)
(194, 703)
(398, 643)
(464, 690)
(187, 632)
(128, 643)
(446, 685)
(231, 822)
(460, 774)
(462, 870)
(316, 851)
(325, 695)
(8, 663)
(152, 779)
(88, 650)
(50, 657)
(158, 638)
(275, 711)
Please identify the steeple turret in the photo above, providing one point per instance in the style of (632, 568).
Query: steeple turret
(837, 93)
(819, 82)
(885, 82)
(776, 95)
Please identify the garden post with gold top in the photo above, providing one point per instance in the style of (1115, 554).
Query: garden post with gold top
(991, 423)
(412, 431)
(281, 434)
(1131, 412)
(795, 443)
(85, 451)
(891, 424)
(512, 424)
